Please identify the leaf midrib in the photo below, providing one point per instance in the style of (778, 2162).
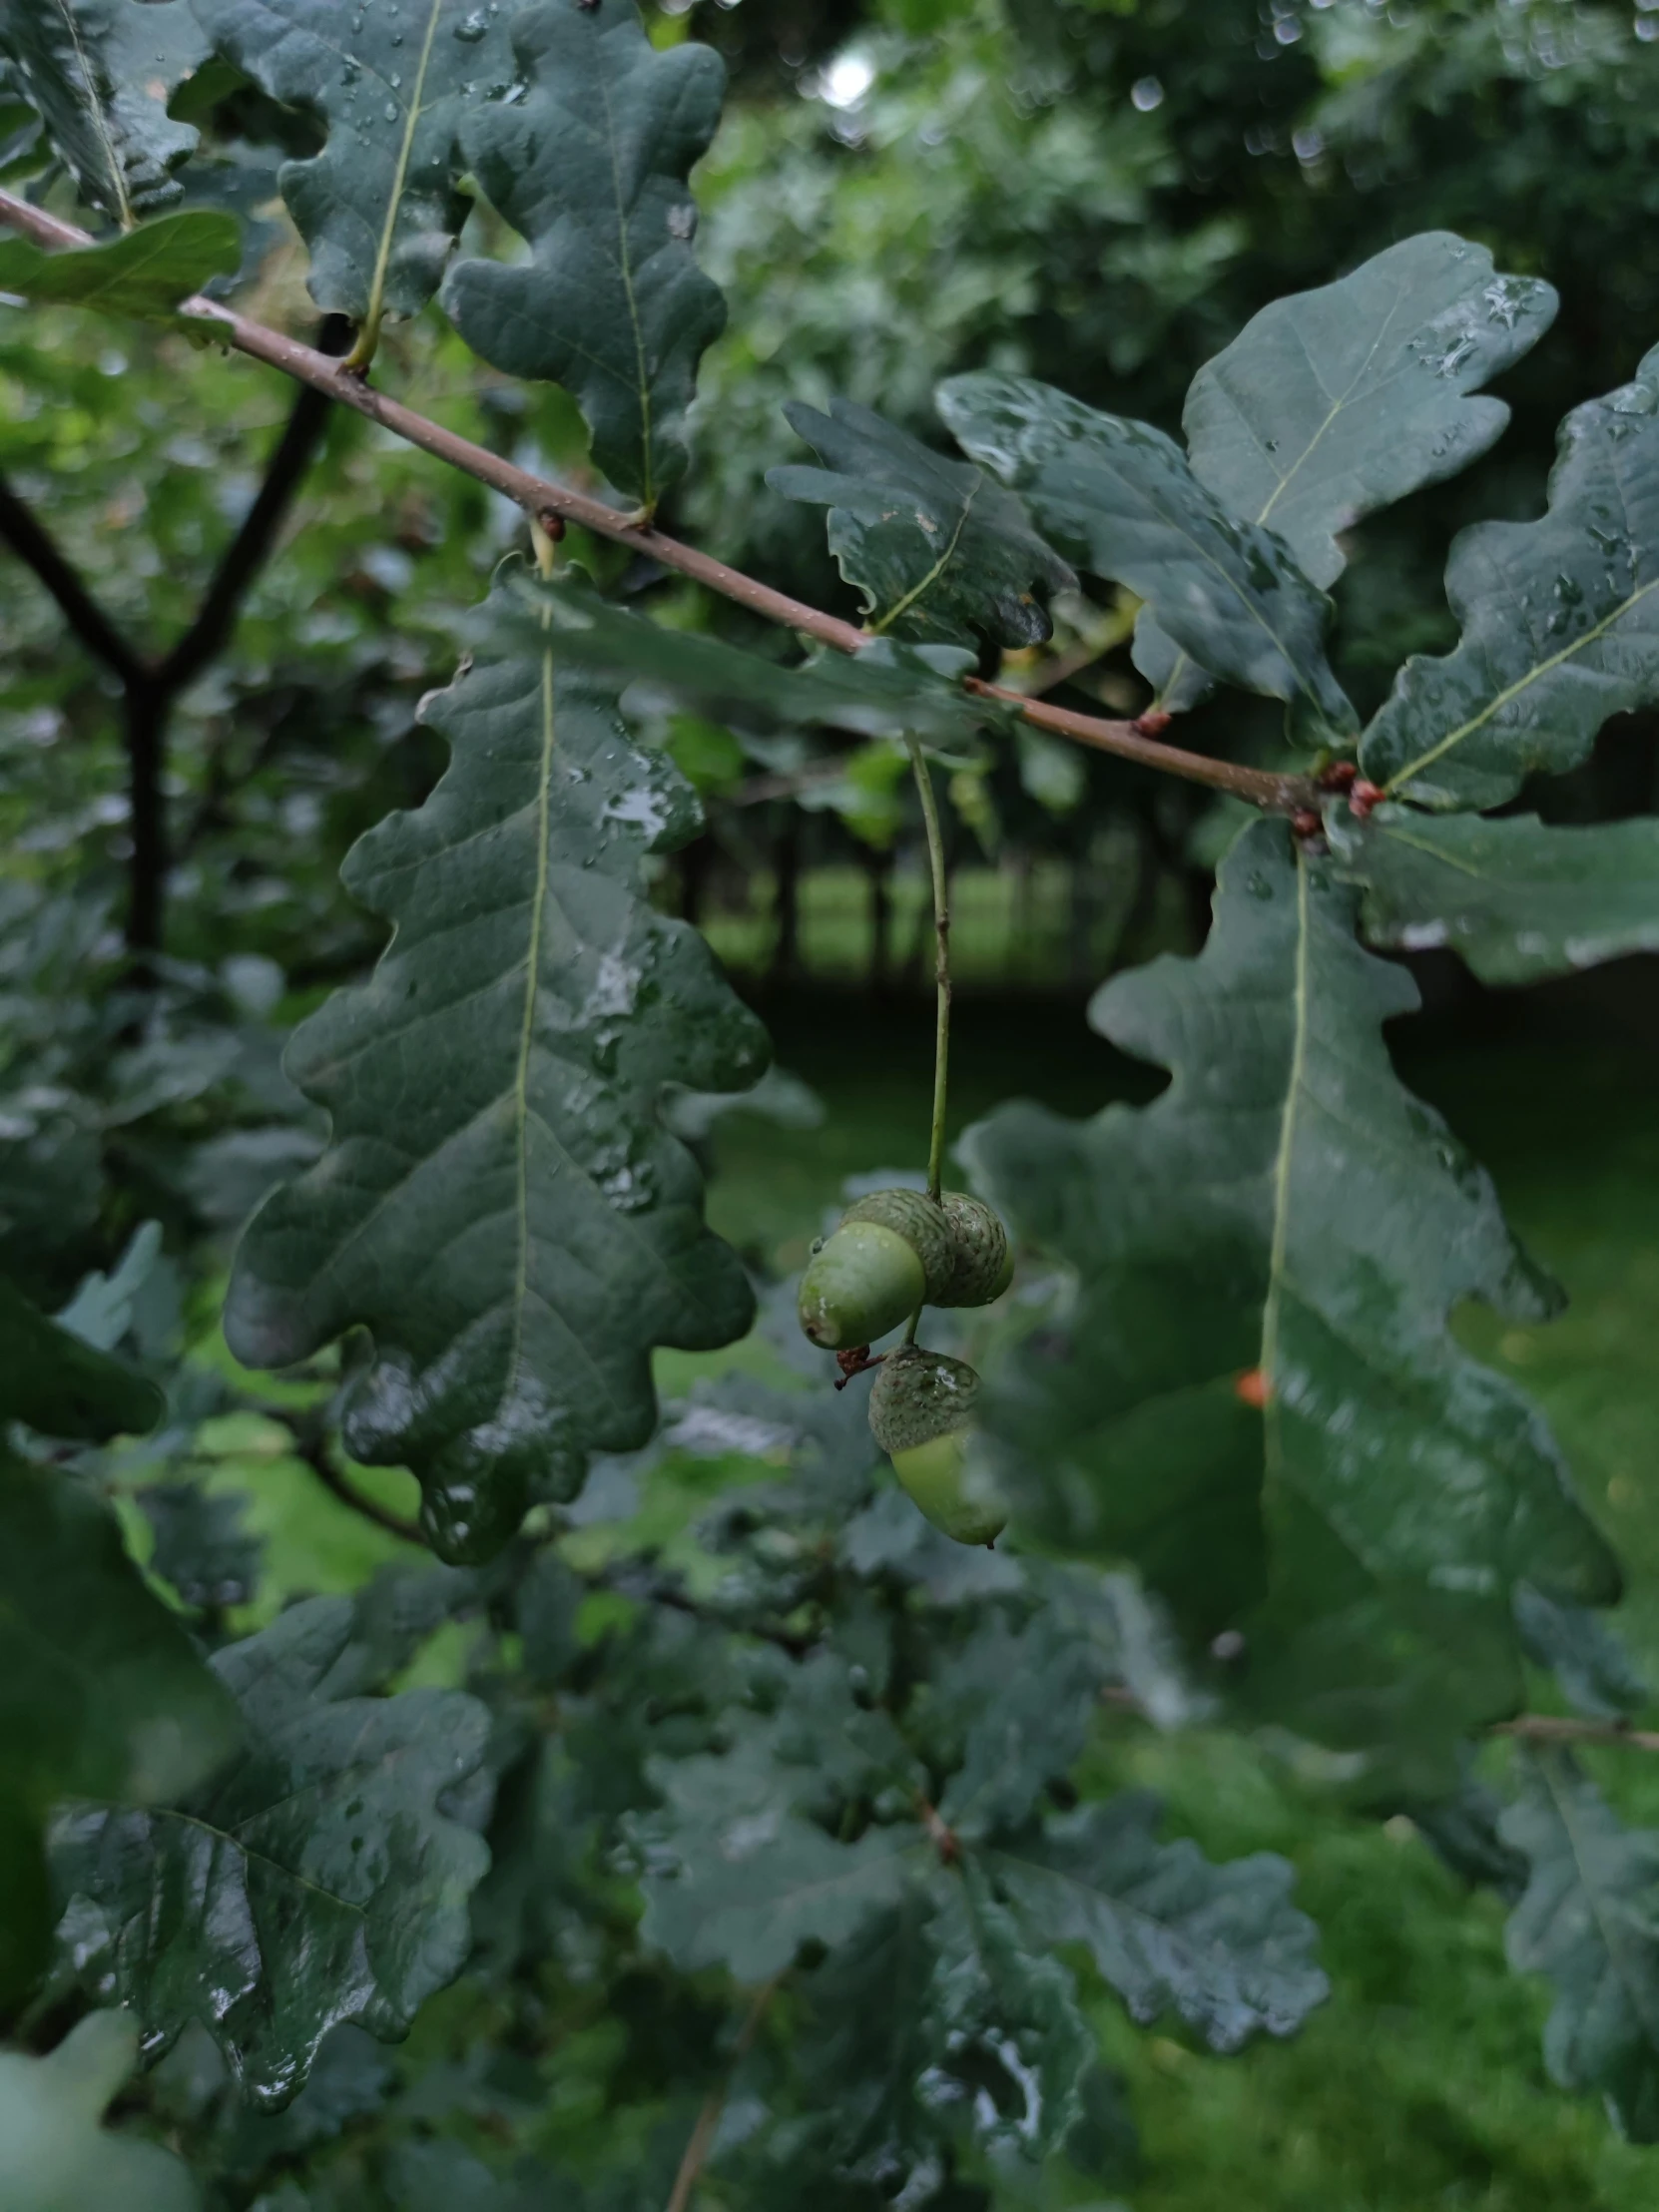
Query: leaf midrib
(918, 590)
(400, 175)
(1272, 1442)
(1515, 691)
(124, 207)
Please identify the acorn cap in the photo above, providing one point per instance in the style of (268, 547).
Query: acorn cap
(921, 1221)
(982, 1263)
(862, 1282)
(918, 1396)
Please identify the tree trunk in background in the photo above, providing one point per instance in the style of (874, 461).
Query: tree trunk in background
(878, 869)
(785, 906)
(696, 863)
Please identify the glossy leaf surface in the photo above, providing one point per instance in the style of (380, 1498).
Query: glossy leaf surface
(1560, 622)
(317, 1878)
(144, 273)
(1119, 498)
(1589, 1919)
(1335, 403)
(1253, 1391)
(939, 551)
(591, 166)
(1516, 899)
(101, 1692)
(500, 1204)
(1002, 2017)
(100, 74)
(380, 207)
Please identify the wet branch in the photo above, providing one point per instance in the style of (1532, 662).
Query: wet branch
(541, 498)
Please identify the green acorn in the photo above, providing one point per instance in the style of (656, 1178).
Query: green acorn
(897, 1249)
(891, 1254)
(921, 1414)
(982, 1262)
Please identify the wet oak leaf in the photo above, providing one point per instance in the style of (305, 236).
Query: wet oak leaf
(1121, 500)
(1516, 899)
(1220, 1947)
(1588, 1920)
(100, 74)
(1285, 1208)
(500, 1204)
(939, 551)
(1335, 403)
(1559, 621)
(317, 1878)
(590, 165)
(380, 207)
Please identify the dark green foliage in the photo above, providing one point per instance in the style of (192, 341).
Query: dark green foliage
(720, 1829)
(62, 1386)
(380, 207)
(1558, 622)
(499, 1205)
(591, 166)
(939, 551)
(1239, 1226)
(1120, 499)
(1517, 898)
(143, 272)
(1587, 1921)
(1335, 403)
(890, 690)
(316, 1880)
(100, 74)
(201, 1548)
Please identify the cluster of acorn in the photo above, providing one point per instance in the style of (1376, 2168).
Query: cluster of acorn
(893, 1252)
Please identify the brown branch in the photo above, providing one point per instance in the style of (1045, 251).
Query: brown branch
(1278, 795)
(314, 1452)
(540, 499)
(1558, 1728)
(28, 539)
(700, 2140)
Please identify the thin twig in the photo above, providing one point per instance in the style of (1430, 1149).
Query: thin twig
(314, 1452)
(540, 497)
(1278, 794)
(28, 539)
(1558, 1728)
(700, 2140)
